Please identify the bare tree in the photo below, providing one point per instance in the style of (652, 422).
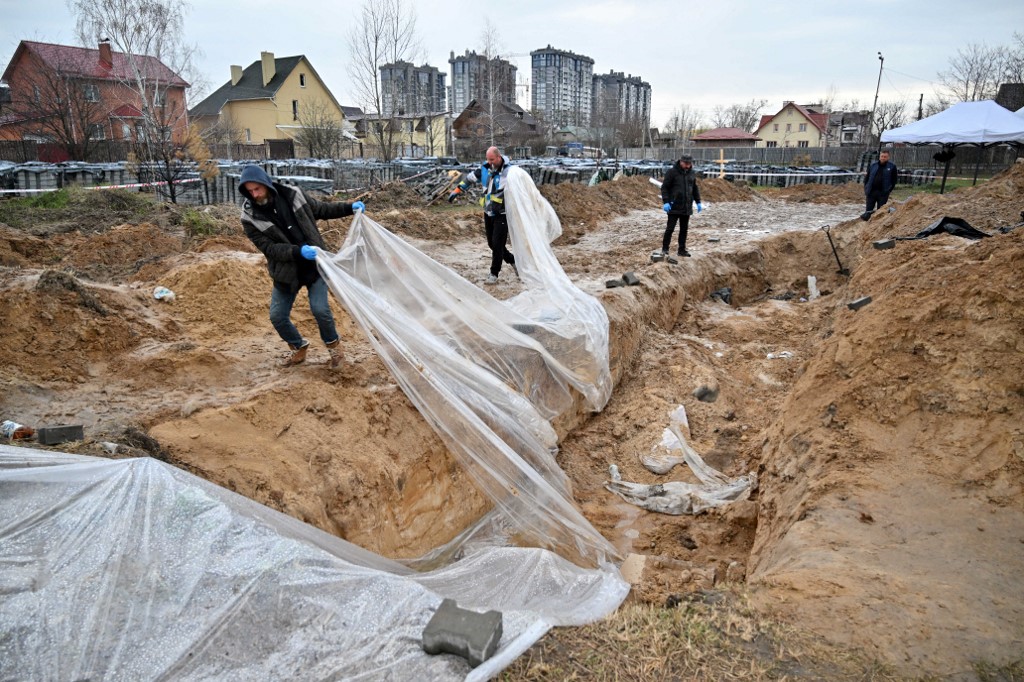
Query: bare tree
(384, 34)
(684, 122)
(224, 133)
(1013, 68)
(321, 132)
(149, 34)
(888, 115)
(742, 116)
(57, 102)
(974, 73)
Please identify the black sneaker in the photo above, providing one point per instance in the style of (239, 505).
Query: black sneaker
(684, 253)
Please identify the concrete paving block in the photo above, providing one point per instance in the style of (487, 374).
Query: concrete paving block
(471, 635)
(883, 244)
(612, 283)
(53, 435)
(630, 278)
(713, 240)
(859, 303)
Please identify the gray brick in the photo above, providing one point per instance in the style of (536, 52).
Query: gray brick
(53, 435)
(859, 303)
(471, 635)
(883, 244)
(630, 278)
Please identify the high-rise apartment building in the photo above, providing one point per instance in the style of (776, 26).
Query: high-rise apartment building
(408, 89)
(619, 98)
(475, 77)
(562, 86)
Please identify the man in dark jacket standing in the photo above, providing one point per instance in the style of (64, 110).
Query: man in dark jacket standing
(679, 191)
(492, 175)
(879, 182)
(281, 221)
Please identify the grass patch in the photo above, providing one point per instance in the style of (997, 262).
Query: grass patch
(707, 636)
(904, 191)
(199, 223)
(105, 206)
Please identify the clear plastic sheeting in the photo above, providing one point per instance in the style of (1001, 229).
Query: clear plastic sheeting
(135, 570)
(679, 497)
(488, 375)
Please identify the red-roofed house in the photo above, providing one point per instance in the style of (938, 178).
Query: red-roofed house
(725, 137)
(75, 96)
(795, 125)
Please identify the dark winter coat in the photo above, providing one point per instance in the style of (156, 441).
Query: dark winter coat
(889, 177)
(679, 188)
(284, 257)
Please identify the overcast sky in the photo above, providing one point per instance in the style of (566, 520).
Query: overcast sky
(714, 52)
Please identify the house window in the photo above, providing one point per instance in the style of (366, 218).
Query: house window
(803, 143)
(248, 135)
(771, 143)
(789, 127)
(847, 137)
(803, 127)
(159, 98)
(302, 80)
(91, 92)
(97, 131)
(140, 132)
(126, 131)
(295, 110)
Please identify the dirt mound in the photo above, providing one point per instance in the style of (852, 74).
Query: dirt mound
(815, 193)
(394, 195)
(718, 189)
(581, 208)
(119, 252)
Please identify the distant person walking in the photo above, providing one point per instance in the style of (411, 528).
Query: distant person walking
(879, 182)
(492, 175)
(679, 191)
(281, 221)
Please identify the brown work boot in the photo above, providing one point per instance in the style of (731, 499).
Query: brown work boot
(334, 349)
(296, 354)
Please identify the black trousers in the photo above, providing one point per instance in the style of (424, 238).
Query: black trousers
(684, 225)
(876, 199)
(496, 228)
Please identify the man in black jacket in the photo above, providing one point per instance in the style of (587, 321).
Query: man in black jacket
(879, 182)
(281, 221)
(679, 191)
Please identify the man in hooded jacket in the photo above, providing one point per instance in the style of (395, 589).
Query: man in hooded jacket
(679, 191)
(281, 221)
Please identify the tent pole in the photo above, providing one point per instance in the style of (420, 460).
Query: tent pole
(981, 150)
(945, 172)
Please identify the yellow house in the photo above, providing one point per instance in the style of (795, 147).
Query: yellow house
(269, 100)
(794, 126)
(410, 135)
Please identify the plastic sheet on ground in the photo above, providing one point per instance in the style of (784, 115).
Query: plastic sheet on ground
(133, 569)
(679, 497)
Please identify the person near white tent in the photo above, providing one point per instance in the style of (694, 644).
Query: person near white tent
(879, 181)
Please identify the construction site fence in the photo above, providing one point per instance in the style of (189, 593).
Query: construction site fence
(987, 160)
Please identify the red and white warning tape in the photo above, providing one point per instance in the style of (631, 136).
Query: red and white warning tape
(128, 186)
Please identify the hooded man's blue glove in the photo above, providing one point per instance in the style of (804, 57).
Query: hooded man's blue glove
(698, 207)
(308, 252)
(666, 208)
(358, 206)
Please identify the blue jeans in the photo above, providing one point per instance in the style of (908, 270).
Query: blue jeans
(281, 303)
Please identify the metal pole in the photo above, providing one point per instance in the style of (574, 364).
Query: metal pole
(871, 120)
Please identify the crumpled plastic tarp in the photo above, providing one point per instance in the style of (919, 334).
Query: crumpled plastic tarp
(679, 497)
(132, 569)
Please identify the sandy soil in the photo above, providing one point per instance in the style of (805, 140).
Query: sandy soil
(889, 444)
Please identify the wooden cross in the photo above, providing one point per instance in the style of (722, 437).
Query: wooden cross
(721, 161)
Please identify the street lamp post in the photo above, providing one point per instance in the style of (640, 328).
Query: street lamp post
(871, 121)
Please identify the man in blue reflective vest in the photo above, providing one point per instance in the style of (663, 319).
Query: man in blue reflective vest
(492, 175)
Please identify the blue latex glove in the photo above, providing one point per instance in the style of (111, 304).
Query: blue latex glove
(698, 207)
(666, 208)
(358, 206)
(308, 252)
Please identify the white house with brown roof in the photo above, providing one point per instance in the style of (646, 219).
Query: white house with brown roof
(795, 125)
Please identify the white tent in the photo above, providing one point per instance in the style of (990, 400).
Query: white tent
(979, 124)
